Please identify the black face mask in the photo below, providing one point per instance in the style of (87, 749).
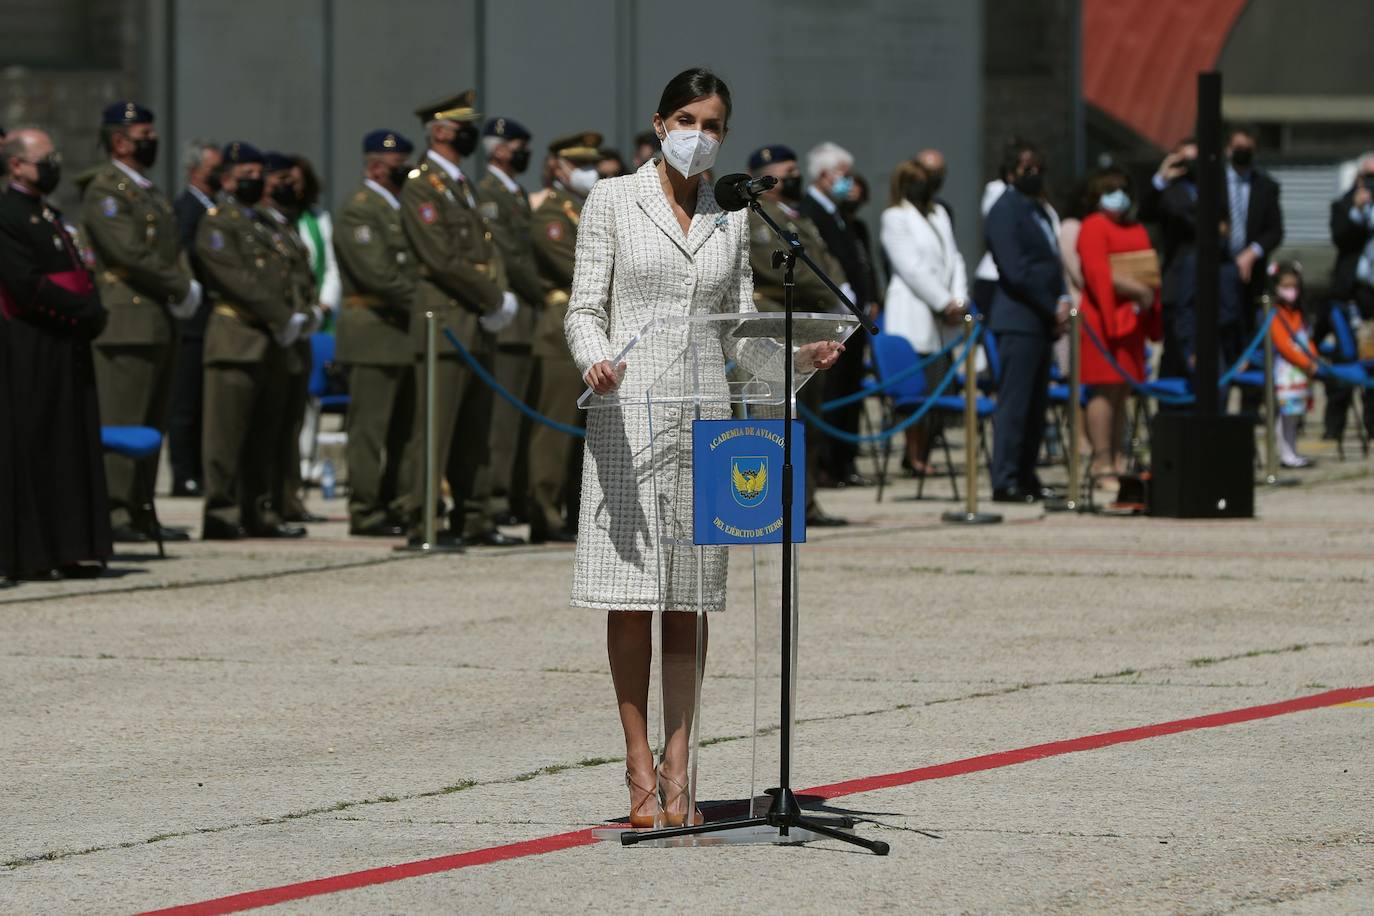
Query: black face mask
(1242, 157)
(465, 141)
(286, 196)
(919, 193)
(396, 176)
(937, 181)
(1030, 183)
(49, 174)
(519, 161)
(145, 151)
(212, 181)
(248, 191)
(790, 187)
(1367, 179)
(1189, 169)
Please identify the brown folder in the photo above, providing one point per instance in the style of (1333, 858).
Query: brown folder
(1141, 266)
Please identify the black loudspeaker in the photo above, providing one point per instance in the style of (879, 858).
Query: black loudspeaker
(1203, 466)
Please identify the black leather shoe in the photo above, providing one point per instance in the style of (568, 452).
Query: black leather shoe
(278, 531)
(187, 488)
(128, 534)
(1012, 495)
(855, 479)
(81, 571)
(214, 529)
(819, 519)
(382, 529)
(553, 537)
(494, 538)
(306, 517)
(173, 534)
(446, 539)
(507, 519)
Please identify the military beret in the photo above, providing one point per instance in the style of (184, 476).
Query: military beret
(460, 107)
(768, 155)
(238, 153)
(386, 141)
(506, 129)
(584, 146)
(273, 161)
(125, 113)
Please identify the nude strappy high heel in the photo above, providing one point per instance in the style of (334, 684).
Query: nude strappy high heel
(649, 794)
(666, 800)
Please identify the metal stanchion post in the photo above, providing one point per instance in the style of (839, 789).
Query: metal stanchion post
(1271, 406)
(1073, 500)
(429, 539)
(971, 515)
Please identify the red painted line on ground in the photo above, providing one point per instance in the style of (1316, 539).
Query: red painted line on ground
(1081, 551)
(558, 842)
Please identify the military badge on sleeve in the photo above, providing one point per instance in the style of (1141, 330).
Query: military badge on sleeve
(216, 240)
(428, 214)
(362, 235)
(554, 232)
(109, 206)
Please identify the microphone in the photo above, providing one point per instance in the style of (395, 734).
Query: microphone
(734, 192)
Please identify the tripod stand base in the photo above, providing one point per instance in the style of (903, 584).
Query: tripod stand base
(971, 518)
(1276, 481)
(785, 823)
(1065, 504)
(429, 548)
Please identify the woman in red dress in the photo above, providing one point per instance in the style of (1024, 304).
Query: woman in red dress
(1118, 310)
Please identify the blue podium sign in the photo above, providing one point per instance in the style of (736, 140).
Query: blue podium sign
(737, 482)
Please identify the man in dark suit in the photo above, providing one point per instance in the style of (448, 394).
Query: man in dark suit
(830, 167)
(1030, 307)
(202, 162)
(1352, 281)
(1254, 228)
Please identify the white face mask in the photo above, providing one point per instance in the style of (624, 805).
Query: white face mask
(581, 180)
(691, 152)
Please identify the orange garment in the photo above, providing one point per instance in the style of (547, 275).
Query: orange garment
(1285, 330)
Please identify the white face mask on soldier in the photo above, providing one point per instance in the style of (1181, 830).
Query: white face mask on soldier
(691, 152)
(581, 180)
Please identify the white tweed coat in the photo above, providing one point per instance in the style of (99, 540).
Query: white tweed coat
(634, 265)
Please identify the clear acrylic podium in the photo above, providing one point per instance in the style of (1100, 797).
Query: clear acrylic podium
(713, 367)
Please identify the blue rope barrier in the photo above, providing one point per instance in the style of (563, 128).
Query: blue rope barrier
(862, 393)
(1249, 351)
(835, 432)
(491, 382)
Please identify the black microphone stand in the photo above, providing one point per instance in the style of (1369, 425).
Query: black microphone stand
(785, 812)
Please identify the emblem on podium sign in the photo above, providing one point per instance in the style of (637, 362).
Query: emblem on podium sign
(735, 466)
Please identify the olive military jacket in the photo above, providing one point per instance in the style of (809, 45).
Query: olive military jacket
(555, 251)
(811, 294)
(248, 280)
(139, 266)
(462, 275)
(379, 274)
(510, 218)
(304, 293)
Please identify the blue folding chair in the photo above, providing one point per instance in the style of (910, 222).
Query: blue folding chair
(891, 355)
(136, 442)
(323, 400)
(1347, 367)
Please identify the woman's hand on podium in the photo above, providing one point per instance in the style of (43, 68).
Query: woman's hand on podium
(603, 378)
(819, 355)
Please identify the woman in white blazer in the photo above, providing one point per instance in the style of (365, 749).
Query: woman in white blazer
(928, 293)
(653, 245)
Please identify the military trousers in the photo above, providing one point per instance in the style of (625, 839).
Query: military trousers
(508, 470)
(133, 382)
(287, 487)
(560, 385)
(462, 416)
(381, 417)
(244, 414)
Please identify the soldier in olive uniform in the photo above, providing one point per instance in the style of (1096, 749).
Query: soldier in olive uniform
(462, 281)
(145, 282)
(281, 206)
(811, 295)
(373, 335)
(574, 161)
(252, 322)
(505, 144)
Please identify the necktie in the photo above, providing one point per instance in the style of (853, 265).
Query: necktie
(1238, 214)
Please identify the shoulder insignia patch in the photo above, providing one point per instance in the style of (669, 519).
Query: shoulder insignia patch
(428, 214)
(109, 206)
(362, 235)
(554, 232)
(216, 241)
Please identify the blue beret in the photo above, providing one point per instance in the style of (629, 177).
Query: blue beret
(273, 161)
(767, 155)
(238, 153)
(386, 141)
(506, 129)
(126, 113)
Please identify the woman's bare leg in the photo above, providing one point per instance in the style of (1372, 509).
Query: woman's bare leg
(1098, 417)
(629, 643)
(679, 698)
